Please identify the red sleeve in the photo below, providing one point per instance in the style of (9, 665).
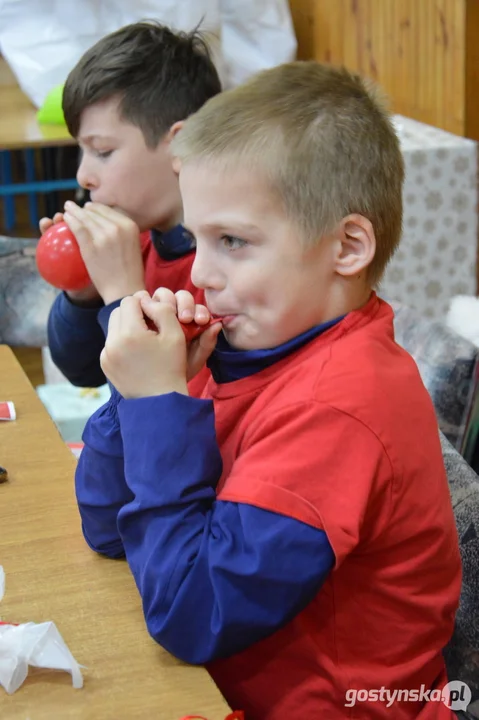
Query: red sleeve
(318, 465)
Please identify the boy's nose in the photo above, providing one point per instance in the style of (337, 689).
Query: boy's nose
(85, 177)
(204, 274)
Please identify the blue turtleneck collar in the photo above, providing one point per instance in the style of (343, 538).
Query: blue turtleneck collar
(228, 364)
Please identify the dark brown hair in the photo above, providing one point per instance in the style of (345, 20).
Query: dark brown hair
(159, 75)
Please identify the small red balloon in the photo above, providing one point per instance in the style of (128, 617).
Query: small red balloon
(192, 330)
(59, 260)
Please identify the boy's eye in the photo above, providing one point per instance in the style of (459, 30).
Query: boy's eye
(231, 242)
(104, 154)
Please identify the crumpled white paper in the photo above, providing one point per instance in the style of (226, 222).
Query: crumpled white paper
(34, 644)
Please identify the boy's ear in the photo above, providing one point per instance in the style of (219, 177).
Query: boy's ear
(176, 127)
(357, 245)
(176, 165)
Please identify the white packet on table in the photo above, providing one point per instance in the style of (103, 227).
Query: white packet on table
(35, 644)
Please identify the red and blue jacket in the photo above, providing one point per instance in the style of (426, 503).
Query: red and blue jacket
(289, 524)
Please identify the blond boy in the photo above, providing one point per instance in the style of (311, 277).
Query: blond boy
(291, 527)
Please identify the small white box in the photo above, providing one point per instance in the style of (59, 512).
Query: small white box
(70, 407)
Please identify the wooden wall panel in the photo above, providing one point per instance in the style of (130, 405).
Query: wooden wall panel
(415, 49)
(302, 12)
(472, 69)
(424, 53)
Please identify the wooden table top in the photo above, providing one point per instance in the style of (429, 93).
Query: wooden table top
(52, 575)
(19, 128)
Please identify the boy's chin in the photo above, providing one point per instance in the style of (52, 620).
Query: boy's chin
(237, 340)
(234, 340)
(231, 340)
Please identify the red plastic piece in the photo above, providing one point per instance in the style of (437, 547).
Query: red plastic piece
(191, 330)
(59, 260)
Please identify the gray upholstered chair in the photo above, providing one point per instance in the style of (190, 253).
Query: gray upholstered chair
(462, 653)
(449, 367)
(25, 299)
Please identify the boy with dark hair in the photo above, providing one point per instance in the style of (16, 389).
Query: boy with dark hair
(124, 101)
(290, 526)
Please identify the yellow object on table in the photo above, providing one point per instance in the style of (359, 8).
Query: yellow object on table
(19, 126)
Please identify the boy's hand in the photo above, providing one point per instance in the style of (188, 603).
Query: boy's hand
(79, 297)
(141, 362)
(110, 246)
(46, 222)
(183, 303)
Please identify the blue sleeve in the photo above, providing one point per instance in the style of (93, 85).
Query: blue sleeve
(76, 337)
(100, 485)
(214, 576)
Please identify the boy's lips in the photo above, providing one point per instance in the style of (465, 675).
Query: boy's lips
(226, 316)
(225, 319)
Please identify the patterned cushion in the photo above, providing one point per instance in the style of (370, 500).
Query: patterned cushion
(25, 298)
(462, 653)
(449, 367)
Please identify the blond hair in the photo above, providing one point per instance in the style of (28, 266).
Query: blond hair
(323, 140)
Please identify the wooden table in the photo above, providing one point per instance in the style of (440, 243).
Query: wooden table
(52, 575)
(19, 128)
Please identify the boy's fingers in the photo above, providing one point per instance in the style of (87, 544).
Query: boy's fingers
(185, 303)
(106, 212)
(201, 349)
(87, 227)
(207, 340)
(47, 222)
(99, 220)
(72, 208)
(80, 229)
(163, 315)
(202, 314)
(165, 295)
(90, 220)
(132, 317)
(44, 224)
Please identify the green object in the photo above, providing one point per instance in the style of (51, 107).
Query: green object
(51, 112)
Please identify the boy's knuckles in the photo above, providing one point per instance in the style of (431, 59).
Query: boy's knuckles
(130, 341)
(161, 310)
(164, 295)
(107, 238)
(128, 226)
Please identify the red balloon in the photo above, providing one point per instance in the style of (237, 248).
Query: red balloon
(59, 260)
(191, 330)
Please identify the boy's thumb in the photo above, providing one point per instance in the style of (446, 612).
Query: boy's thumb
(201, 348)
